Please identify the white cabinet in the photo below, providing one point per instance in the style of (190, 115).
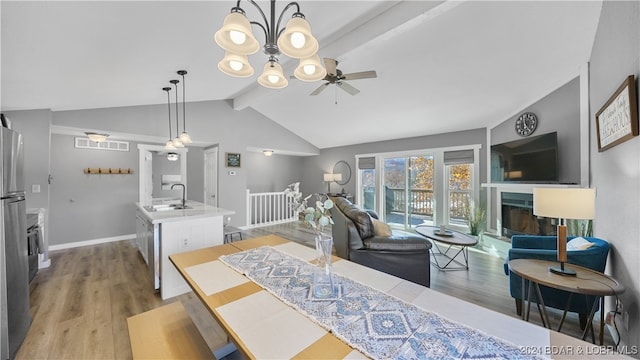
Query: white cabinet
(182, 236)
(142, 226)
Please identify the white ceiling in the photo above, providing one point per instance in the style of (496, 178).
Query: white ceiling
(442, 65)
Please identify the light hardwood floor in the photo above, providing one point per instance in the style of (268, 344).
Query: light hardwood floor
(81, 303)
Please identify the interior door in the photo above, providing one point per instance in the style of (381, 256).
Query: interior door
(211, 177)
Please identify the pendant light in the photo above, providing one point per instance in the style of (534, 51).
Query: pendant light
(176, 141)
(184, 137)
(169, 144)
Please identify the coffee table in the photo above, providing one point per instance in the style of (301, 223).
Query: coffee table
(453, 240)
(586, 282)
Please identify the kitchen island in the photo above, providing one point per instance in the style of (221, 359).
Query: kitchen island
(165, 228)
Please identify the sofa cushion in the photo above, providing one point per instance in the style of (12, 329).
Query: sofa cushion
(360, 218)
(400, 241)
(380, 228)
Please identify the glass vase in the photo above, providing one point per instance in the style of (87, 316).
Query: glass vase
(323, 284)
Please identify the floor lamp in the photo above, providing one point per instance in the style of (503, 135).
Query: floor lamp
(563, 204)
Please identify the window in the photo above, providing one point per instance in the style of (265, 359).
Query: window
(426, 187)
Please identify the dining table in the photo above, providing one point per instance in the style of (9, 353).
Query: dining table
(258, 290)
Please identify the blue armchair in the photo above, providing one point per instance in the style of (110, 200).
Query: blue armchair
(545, 248)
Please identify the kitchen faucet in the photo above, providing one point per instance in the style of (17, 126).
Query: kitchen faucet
(184, 201)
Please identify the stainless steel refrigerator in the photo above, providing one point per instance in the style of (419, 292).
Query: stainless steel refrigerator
(14, 267)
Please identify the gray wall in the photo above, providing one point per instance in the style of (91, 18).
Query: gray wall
(316, 166)
(212, 121)
(272, 173)
(615, 173)
(558, 111)
(88, 207)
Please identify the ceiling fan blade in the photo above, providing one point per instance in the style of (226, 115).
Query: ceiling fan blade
(360, 75)
(330, 65)
(319, 89)
(348, 88)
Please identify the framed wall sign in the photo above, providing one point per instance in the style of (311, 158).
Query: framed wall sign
(233, 159)
(617, 120)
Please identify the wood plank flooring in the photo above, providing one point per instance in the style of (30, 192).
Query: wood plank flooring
(80, 304)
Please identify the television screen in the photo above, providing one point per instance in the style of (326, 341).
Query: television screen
(529, 160)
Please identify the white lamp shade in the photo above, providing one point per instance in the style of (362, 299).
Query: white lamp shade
(272, 76)
(310, 69)
(337, 177)
(169, 145)
(236, 35)
(328, 177)
(564, 203)
(235, 65)
(296, 40)
(185, 138)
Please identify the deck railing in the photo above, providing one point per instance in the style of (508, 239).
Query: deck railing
(269, 208)
(421, 202)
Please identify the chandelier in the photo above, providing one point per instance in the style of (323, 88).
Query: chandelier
(295, 41)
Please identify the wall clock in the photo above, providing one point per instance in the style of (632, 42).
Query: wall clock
(526, 124)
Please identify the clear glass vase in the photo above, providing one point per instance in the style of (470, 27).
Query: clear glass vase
(323, 284)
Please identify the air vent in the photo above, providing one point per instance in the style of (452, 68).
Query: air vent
(85, 143)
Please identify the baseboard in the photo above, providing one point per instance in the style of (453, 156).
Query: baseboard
(91, 242)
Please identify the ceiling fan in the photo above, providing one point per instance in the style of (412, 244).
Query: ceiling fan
(335, 76)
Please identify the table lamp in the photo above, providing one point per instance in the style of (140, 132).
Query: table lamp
(564, 203)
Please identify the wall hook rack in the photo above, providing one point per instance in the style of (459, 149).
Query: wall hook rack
(93, 171)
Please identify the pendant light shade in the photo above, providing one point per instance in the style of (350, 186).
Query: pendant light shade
(176, 141)
(184, 137)
(297, 41)
(236, 35)
(310, 69)
(235, 65)
(169, 144)
(272, 76)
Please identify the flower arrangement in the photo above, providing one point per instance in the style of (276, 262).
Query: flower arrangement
(316, 218)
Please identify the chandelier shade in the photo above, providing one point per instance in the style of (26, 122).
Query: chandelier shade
(296, 40)
(236, 35)
(310, 69)
(272, 76)
(235, 65)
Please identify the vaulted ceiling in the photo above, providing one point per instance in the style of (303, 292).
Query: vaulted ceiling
(442, 65)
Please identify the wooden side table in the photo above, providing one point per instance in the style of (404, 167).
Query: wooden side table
(586, 282)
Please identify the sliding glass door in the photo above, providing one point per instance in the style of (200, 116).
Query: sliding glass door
(408, 190)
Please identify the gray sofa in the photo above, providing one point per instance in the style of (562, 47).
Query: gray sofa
(402, 254)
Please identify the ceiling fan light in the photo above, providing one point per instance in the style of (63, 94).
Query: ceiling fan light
(235, 65)
(272, 76)
(267, 152)
(310, 69)
(185, 138)
(296, 40)
(236, 35)
(169, 145)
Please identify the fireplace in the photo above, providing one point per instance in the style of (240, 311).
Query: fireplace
(518, 218)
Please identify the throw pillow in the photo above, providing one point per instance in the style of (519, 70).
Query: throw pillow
(579, 243)
(380, 228)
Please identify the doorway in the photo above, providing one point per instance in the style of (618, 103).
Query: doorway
(145, 157)
(211, 176)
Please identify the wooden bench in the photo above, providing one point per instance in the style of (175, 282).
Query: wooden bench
(166, 332)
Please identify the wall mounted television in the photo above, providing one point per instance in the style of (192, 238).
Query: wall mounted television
(530, 160)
